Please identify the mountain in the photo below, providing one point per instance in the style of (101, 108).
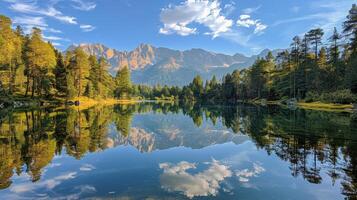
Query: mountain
(153, 65)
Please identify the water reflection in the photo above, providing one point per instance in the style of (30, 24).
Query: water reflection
(314, 144)
(205, 183)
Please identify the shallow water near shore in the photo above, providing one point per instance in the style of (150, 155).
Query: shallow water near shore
(168, 151)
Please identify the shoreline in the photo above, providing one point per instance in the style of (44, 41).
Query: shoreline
(85, 102)
(319, 106)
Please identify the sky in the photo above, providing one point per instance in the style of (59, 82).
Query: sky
(225, 26)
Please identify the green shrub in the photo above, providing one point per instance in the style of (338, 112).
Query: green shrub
(311, 97)
(339, 96)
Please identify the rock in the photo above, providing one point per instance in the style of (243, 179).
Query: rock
(17, 104)
(263, 102)
(291, 103)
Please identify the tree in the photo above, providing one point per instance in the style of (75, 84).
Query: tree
(10, 50)
(41, 60)
(197, 87)
(123, 83)
(94, 72)
(60, 74)
(79, 65)
(350, 27)
(315, 36)
(334, 46)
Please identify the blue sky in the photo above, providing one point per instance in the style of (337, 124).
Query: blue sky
(226, 26)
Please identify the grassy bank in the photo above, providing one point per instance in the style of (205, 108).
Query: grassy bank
(34, 102)
(325, 106)
(85, 102)
(310, 105)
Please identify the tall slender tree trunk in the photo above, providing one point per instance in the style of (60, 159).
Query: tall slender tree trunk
(27, 84)
(79, 82)
(33, 87)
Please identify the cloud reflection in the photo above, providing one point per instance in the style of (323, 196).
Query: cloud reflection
(175, 178)
(48, 184)
(245, 174)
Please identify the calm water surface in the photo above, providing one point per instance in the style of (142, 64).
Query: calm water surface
(163, 151)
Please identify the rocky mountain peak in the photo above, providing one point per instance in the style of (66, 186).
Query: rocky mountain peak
(153, 65)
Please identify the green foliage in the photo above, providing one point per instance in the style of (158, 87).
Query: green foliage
(339, 96)
(123, 82)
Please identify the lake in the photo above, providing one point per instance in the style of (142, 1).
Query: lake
(169, 151)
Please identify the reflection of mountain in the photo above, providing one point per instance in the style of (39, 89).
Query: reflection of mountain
(157, 131)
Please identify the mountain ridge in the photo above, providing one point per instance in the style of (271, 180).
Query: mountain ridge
(160, 65)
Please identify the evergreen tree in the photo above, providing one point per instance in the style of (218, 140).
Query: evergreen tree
(41, 60)
(60, 74)
(350, 29)
(80, 67)
(197, 87)
(123, 83)
(314, 36)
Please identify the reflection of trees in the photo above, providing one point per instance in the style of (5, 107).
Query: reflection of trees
(310, 141)
(32, 138)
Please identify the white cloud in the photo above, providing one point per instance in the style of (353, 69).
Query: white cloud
(251, 10)
(208, 13)
(84, 5)
(56, 44)
(175, 178)
(259, 28)
(32, 8)
(52, 38)
(178, 29)
(246, 21)
(33, 21)
(52, 30)
(87, 28)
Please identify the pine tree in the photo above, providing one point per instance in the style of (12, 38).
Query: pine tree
(197, 86)
(334, 50)
(350, 29)
(60, 74)
(80, 66)
(315, 37)
(123, 83)
(41, 60)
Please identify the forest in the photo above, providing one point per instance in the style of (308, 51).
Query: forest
(312, 69)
